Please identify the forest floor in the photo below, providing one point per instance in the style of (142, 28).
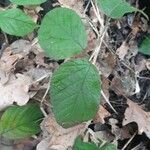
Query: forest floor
(124, 115)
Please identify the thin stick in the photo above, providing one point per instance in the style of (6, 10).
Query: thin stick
(98, 49)
(43, 98)
(94, 28)
(107, 100)
(96, 11)
(129, 141)
(43, 111)
(40, 79)
(86, 7)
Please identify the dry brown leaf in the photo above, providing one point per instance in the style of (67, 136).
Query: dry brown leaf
(120, 133)
(44, 144)
(101, 115)
(124, 86)
(33, 11)
(136, 114)
(76, 5)
(38, 73)
(68, 3)
(141, 64)
(7, 63)
(148, 64)
(15, 90)
(8, 59)
(91, 39)
(106, 63)
(105, 86)
(122, 50)
(21, 46)
(39, 59)
(61, 138)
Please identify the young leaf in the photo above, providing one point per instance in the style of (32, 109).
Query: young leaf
(80, 145)
(145, 46)
(15, 22)
(62, 34)
(27, 2)
(108, 146)
(19, 122)
(75, 92)
(117, 8)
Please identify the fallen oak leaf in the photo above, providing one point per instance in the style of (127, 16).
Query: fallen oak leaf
(61, 138)
(8, 60)
(22, 47)
(44, 144)
(148, 64)
(68, 3)
(15, 90)
(76, 5)
(101, 115)
(122, 50)
(136, 114)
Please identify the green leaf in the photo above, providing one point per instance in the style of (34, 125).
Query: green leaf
(108, 146)
(117, 8)
(28, 2)
(19, 122)
(15, 22)
(62, 34)
(145, 46)
(75, 92)
(80, 145)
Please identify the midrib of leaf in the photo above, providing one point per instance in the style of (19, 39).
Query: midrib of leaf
(121, 2)
(84, 101)
(26, 3)
(68, 86)
(72, 73)
(67, 77)
(17, 20)
(16, 127)
(74, 39)
(135, 9)
(63, 29)
(80, 89)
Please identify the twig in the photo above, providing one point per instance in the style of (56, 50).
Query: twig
(86, 7)
(96, 11)
(137, 147)
(129, 141)
(94, 28)
(40, 79)
(4, 46)
(43, 111)
(107, 100)
(43, 98)
(102, 32)
(97, 50)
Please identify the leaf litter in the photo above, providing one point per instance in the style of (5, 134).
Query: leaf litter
(25, 72)
(59, 138)
(135, 113)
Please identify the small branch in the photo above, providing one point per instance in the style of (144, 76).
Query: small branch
(107, 100)
(125, 146)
